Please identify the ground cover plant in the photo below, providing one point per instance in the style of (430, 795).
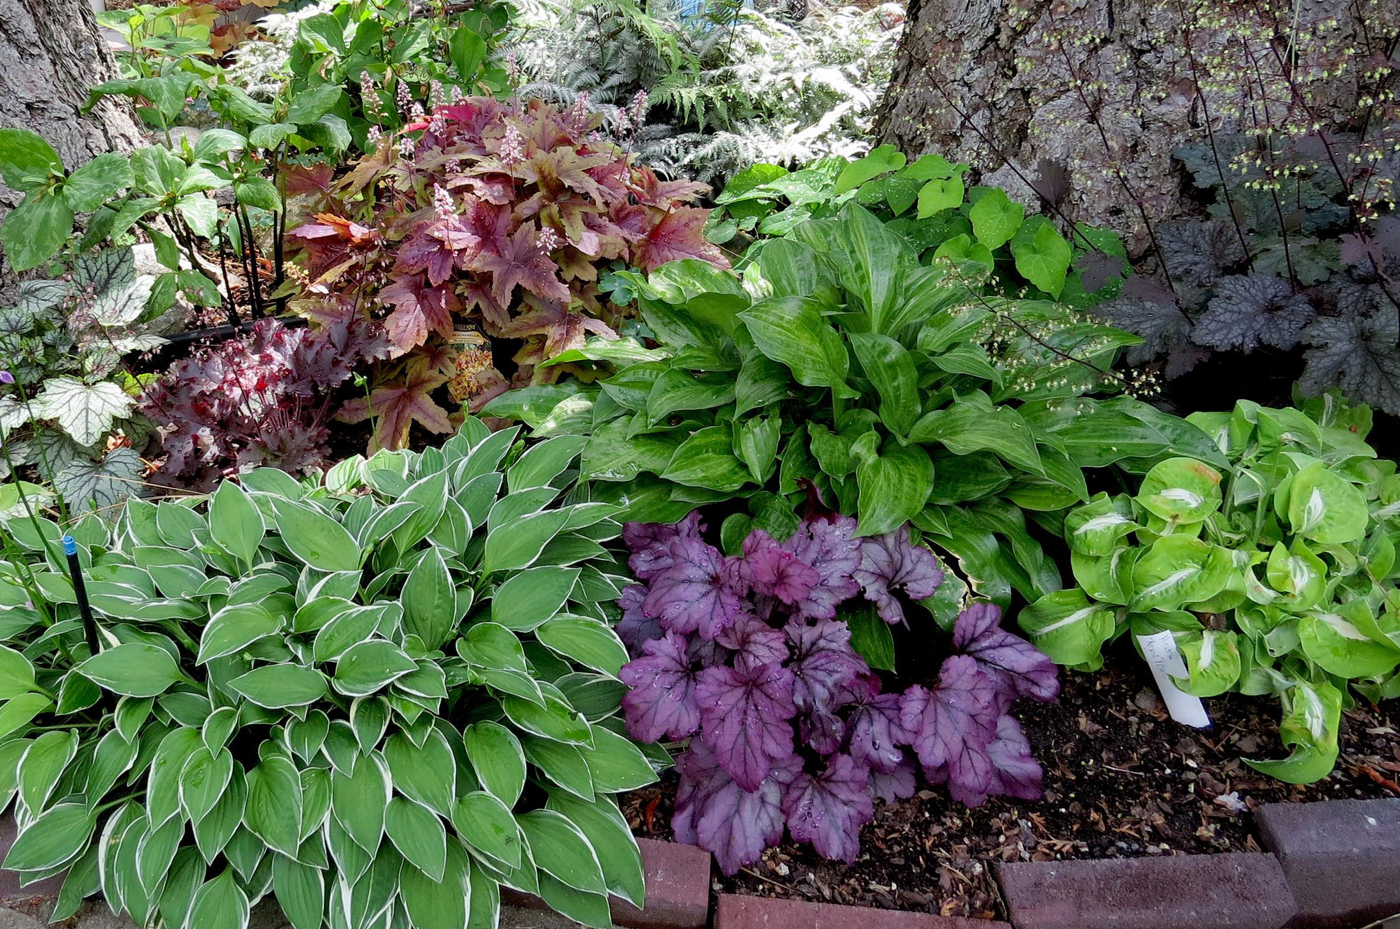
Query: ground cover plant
(494, 212)
(841, 364)
(377, 697)
(1275, 574)
(765, 660)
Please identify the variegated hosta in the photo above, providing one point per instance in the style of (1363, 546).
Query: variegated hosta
(378, 698)
(1276, 577)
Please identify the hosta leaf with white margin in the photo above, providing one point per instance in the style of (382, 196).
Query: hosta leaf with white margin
(350, 767)
(1180, 490)
(1068, 627)
(85, 412)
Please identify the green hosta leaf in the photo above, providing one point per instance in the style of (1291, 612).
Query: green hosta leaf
(1042, 254)
(220, 904)
(872, 639)
(300, 890)
(544, 461)
(1180, 490)
(616, 764)
(880, 160)
(891, 369)
(1326, 508)
(1176, 570)
(235, 522)
(1096, 528)
(497, 759)
(234, 628)
(602, 824)
(16, 673)
(273, 808)
(430, 601)
(531, 597)
(1335, 642)
(1298, 574)
(1213, 660)
(894, 483)
(439, 904)
(517, 546)
(1312, 714)
(553, 720)
(85, 412)
(41, 766)
(1067, 627)
(57, 837)
(133, 669)
(589, 642)
(995, 218)
(561, 850)
(792, 331)
(707, 460)
(970, 425)
(203, 779)
(359, 799)
(486, 824)
(314, 538)
(278, 686)
(370, 666)
(426, 773)
(419, 836)
(16, 712)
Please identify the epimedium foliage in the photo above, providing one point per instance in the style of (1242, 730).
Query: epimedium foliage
(983, 231)
(499, 212)
(838, 359)
(378, 698)
(262, 400)
(1275, 574)
(763, 660)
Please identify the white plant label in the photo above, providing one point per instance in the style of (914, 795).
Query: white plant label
(1165, 661)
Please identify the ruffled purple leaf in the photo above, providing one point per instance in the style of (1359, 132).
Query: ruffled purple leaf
(715, 813)
(635, 627)
(890, 563)
(774, 571)
(1015, 772)
(661, 700)
(877, 732)
(1015, 664)
(833, 551)
(952, 724)
(744, 718)
(820, 729)
(691, 595)
(824, 666)
(650, 543)
(894, 785)
(754, 642)
(828, 811)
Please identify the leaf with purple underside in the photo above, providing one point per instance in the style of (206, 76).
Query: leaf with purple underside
(774, 571)
(744, 718)
(824, 666)
(898, 784)
(649, 543)
(877, 732)
(635, 627)
(753, 642)
(832, 549)
(953, 722)
(1015, 772)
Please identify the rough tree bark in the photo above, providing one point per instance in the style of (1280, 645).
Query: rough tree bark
(51, 53)
(1003, 84)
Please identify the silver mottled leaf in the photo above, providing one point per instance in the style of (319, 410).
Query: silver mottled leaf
(101, 484)
(109, 269)
(85, 411)
(1357, 353)
(122, 306)
(1249, 310)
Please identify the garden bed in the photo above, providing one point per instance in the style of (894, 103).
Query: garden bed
(1122, 780)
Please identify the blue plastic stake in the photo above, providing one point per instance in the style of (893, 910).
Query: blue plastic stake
(70, 548)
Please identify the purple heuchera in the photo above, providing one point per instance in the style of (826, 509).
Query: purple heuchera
(749, 654)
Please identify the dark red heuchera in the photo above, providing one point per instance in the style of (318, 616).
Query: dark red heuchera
(501, 211)
(747, 656)
(261, 400)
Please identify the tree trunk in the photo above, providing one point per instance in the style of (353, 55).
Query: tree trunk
(1103, 89)
(51, 53)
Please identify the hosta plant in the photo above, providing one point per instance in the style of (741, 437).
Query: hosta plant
(377, 699)
(496, 212)
(840, 362)
(1275, 575)
(764, 659)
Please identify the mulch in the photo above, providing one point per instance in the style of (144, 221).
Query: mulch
(1122, 780)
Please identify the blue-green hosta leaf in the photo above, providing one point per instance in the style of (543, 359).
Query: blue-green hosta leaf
(84, 411)
(1068, 627)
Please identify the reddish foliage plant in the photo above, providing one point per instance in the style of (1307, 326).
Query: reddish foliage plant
(498, 212)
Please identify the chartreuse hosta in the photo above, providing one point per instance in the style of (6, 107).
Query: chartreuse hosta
(377, 698)
(1276, 575)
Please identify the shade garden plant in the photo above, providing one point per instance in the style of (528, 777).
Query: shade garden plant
(378, 697)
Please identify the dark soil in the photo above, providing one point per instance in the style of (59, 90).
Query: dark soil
(1121, 780)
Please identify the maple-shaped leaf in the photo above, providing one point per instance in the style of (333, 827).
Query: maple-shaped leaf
(396, 407)
(715, 813)
(650, 543)
(679, 234)
(896, 785)
(827, 811)
(831, 548)
(652, 191)
(820, 729)
(890, 563)
(1147, 309)
(661, 702)
(1198, 253)
(774, 571)
(1015, 772)
(1359, 354)
(952, 723)
(1249, 310)
(420, 307)
(753, 642)
(692, 594)
(558, 326)
(518, 259)
(1096, 268)
(333, 244)
(1019, 668)
(744, 719)
(1052, 182)
(635, 627)
(824, 666)
(438, 247)
(308, 180)
(562, 168)
(476, 295)
(877, 731)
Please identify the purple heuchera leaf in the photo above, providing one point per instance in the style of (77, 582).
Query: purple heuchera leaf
(660, 703)
(821, 729)
(774, 571)
(635, 627)
(754, 642)
(833, 551)
(896, 785)
(691, 595)
(744, 718)
(890, 562)
(1015, 772)
(953, 723)
(650, 543)
(1018, 667)
(715, 813)
(824, 666)
(829, 810)
(877, 731)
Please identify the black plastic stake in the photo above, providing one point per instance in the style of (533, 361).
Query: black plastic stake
(70, 548)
